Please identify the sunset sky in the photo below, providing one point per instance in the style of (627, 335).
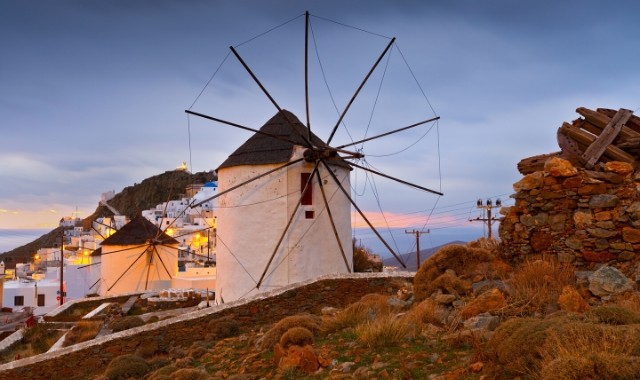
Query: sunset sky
(93, 93)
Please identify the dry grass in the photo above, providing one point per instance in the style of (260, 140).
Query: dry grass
(490, 244)
(613, 315)
(271, 337)
(385, 331)
(82, 332)
(366, 309)
(40, 338)
(629, 300)
(536, 285)
(591, 351)
(423, 313)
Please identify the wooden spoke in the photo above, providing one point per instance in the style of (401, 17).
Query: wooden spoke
(394, 178)
(366, 78)
(88, 265)
(388, 133)
(333, 225)
(146, 282)
(95, 283)
(264, 90)
(335, 178)
(162, 261)
(286, 228)
(306, 71)
(281, 138)
(124, 249)
(125, 272)
(248, 181)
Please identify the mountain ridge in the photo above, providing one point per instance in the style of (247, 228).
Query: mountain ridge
(130, 202)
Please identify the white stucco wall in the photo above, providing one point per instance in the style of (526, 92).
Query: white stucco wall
(253, 217)
(113, 265)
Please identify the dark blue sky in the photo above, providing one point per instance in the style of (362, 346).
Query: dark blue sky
(93, 93)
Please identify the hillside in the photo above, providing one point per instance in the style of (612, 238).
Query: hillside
(130, 201)
(467, 314)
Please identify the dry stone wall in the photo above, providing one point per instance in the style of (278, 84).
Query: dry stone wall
(584, 217)
(88, 359)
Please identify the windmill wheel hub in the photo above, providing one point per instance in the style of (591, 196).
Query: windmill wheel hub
(315, 154)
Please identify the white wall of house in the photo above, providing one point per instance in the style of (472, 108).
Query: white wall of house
(18, 294)
(253, 217)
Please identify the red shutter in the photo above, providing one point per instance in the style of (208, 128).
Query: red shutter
(306, 195)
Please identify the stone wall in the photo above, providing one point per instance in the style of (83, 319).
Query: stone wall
(86, 360)
(584, 217)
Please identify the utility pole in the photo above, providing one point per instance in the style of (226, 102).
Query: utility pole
(417, 234)
(61, 267)
(489, 205)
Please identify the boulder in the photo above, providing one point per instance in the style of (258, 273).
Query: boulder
(488, 301)
(302, 358)
(559, 167)
(571, 300)
(608, 281)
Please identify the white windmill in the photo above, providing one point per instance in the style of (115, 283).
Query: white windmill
(284, 201)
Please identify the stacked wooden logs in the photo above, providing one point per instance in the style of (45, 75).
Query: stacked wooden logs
(597, 137)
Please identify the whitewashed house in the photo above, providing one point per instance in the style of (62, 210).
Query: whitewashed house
(39, 292)
(253, 218)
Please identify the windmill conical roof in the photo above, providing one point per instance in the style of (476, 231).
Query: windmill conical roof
(261, 149)
(138, 231)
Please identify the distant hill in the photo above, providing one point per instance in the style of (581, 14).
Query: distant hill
(410, 258)
(130, 201)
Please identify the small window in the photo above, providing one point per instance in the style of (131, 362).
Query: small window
(41, 299)
(306, 197)
(18, 301)
(309, 214)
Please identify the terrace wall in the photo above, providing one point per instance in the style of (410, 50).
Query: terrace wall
(88, 359)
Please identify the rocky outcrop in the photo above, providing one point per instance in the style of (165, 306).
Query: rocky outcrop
(579, 216)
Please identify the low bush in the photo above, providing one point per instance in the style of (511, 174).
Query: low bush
(224, 327)
(273, 335)
(127, 366)
(189, 374)
(126, 323)
(298, 336)
(613, 315)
